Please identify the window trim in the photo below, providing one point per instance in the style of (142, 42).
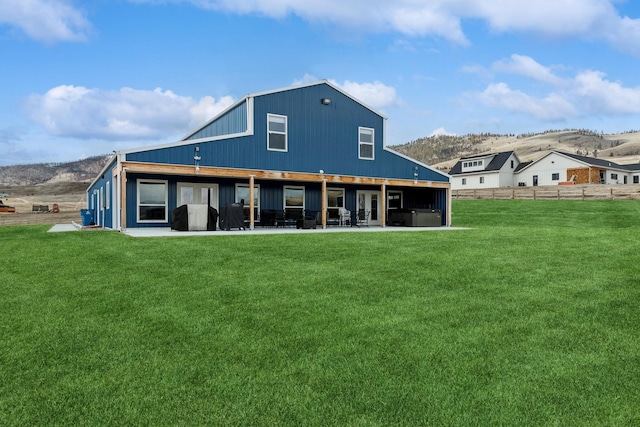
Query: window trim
(284, 196)
(361, 143)
(166, 201)
(108, 195)
(285, 133)
(256, 206)
(396, 192)
(555, 176)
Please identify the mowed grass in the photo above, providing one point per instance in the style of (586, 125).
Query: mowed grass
(529, 318)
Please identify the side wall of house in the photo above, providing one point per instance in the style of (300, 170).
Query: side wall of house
(547, 169)
(101, 199)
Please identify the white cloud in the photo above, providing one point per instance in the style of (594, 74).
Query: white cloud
(307, 78)
(552, 107)
(598, 95)
(586, 19)
(45, 20)
(441, 131)
(376, 94)
(528, 67)
(586, 94)
(79, 112)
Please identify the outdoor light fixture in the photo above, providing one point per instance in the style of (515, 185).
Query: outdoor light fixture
(415, 175)
(196, 158)
(325, 101)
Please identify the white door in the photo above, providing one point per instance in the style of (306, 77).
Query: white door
(369, 201)
(203, 194)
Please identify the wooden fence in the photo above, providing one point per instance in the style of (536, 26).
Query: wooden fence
(25, 218)
(558, 192)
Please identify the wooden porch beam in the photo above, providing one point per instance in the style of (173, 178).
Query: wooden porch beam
(154, 168)
(251, 204)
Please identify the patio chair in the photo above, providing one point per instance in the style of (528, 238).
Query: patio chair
(362, 218)
(344, 216)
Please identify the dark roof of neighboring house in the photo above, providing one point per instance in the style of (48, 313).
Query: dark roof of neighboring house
(592, 160)
(496, 163)
(603, 163)
(522, 165)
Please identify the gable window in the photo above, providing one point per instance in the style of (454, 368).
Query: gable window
(276, 132)
(152, 200)
(294, 197)
(365, 143)
(555, 176)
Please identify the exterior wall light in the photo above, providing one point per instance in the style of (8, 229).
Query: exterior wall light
(196, 158)
(326, 101)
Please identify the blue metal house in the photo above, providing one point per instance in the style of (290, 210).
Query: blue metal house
(311, 147)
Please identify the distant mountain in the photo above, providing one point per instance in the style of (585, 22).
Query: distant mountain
(42, 173)
(443, 151)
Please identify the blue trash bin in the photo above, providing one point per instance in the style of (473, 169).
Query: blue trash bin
(87, 217)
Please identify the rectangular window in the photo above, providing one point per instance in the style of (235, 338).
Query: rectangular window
(152, 201)
(108, 199)
(512, 164)
(365, 143)
(242, 195)
(614, 176)
(335, 200)
(555, 177)
(394, 200)
(636, 179)
(293, 197)
(482, 180)
(464, 181)
(276, 132)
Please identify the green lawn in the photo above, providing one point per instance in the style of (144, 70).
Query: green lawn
(530, 318)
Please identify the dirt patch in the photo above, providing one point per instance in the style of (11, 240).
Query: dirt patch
(69, 197)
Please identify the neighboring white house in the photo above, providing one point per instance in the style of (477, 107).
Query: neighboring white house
(555, 167)
(505, 170)
(484, 171)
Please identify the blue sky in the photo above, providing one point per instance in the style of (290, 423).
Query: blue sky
(80, 78)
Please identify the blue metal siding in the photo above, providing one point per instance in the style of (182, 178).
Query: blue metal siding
(234, 121)
(105, 220)
(271, 196)
(320, 137)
